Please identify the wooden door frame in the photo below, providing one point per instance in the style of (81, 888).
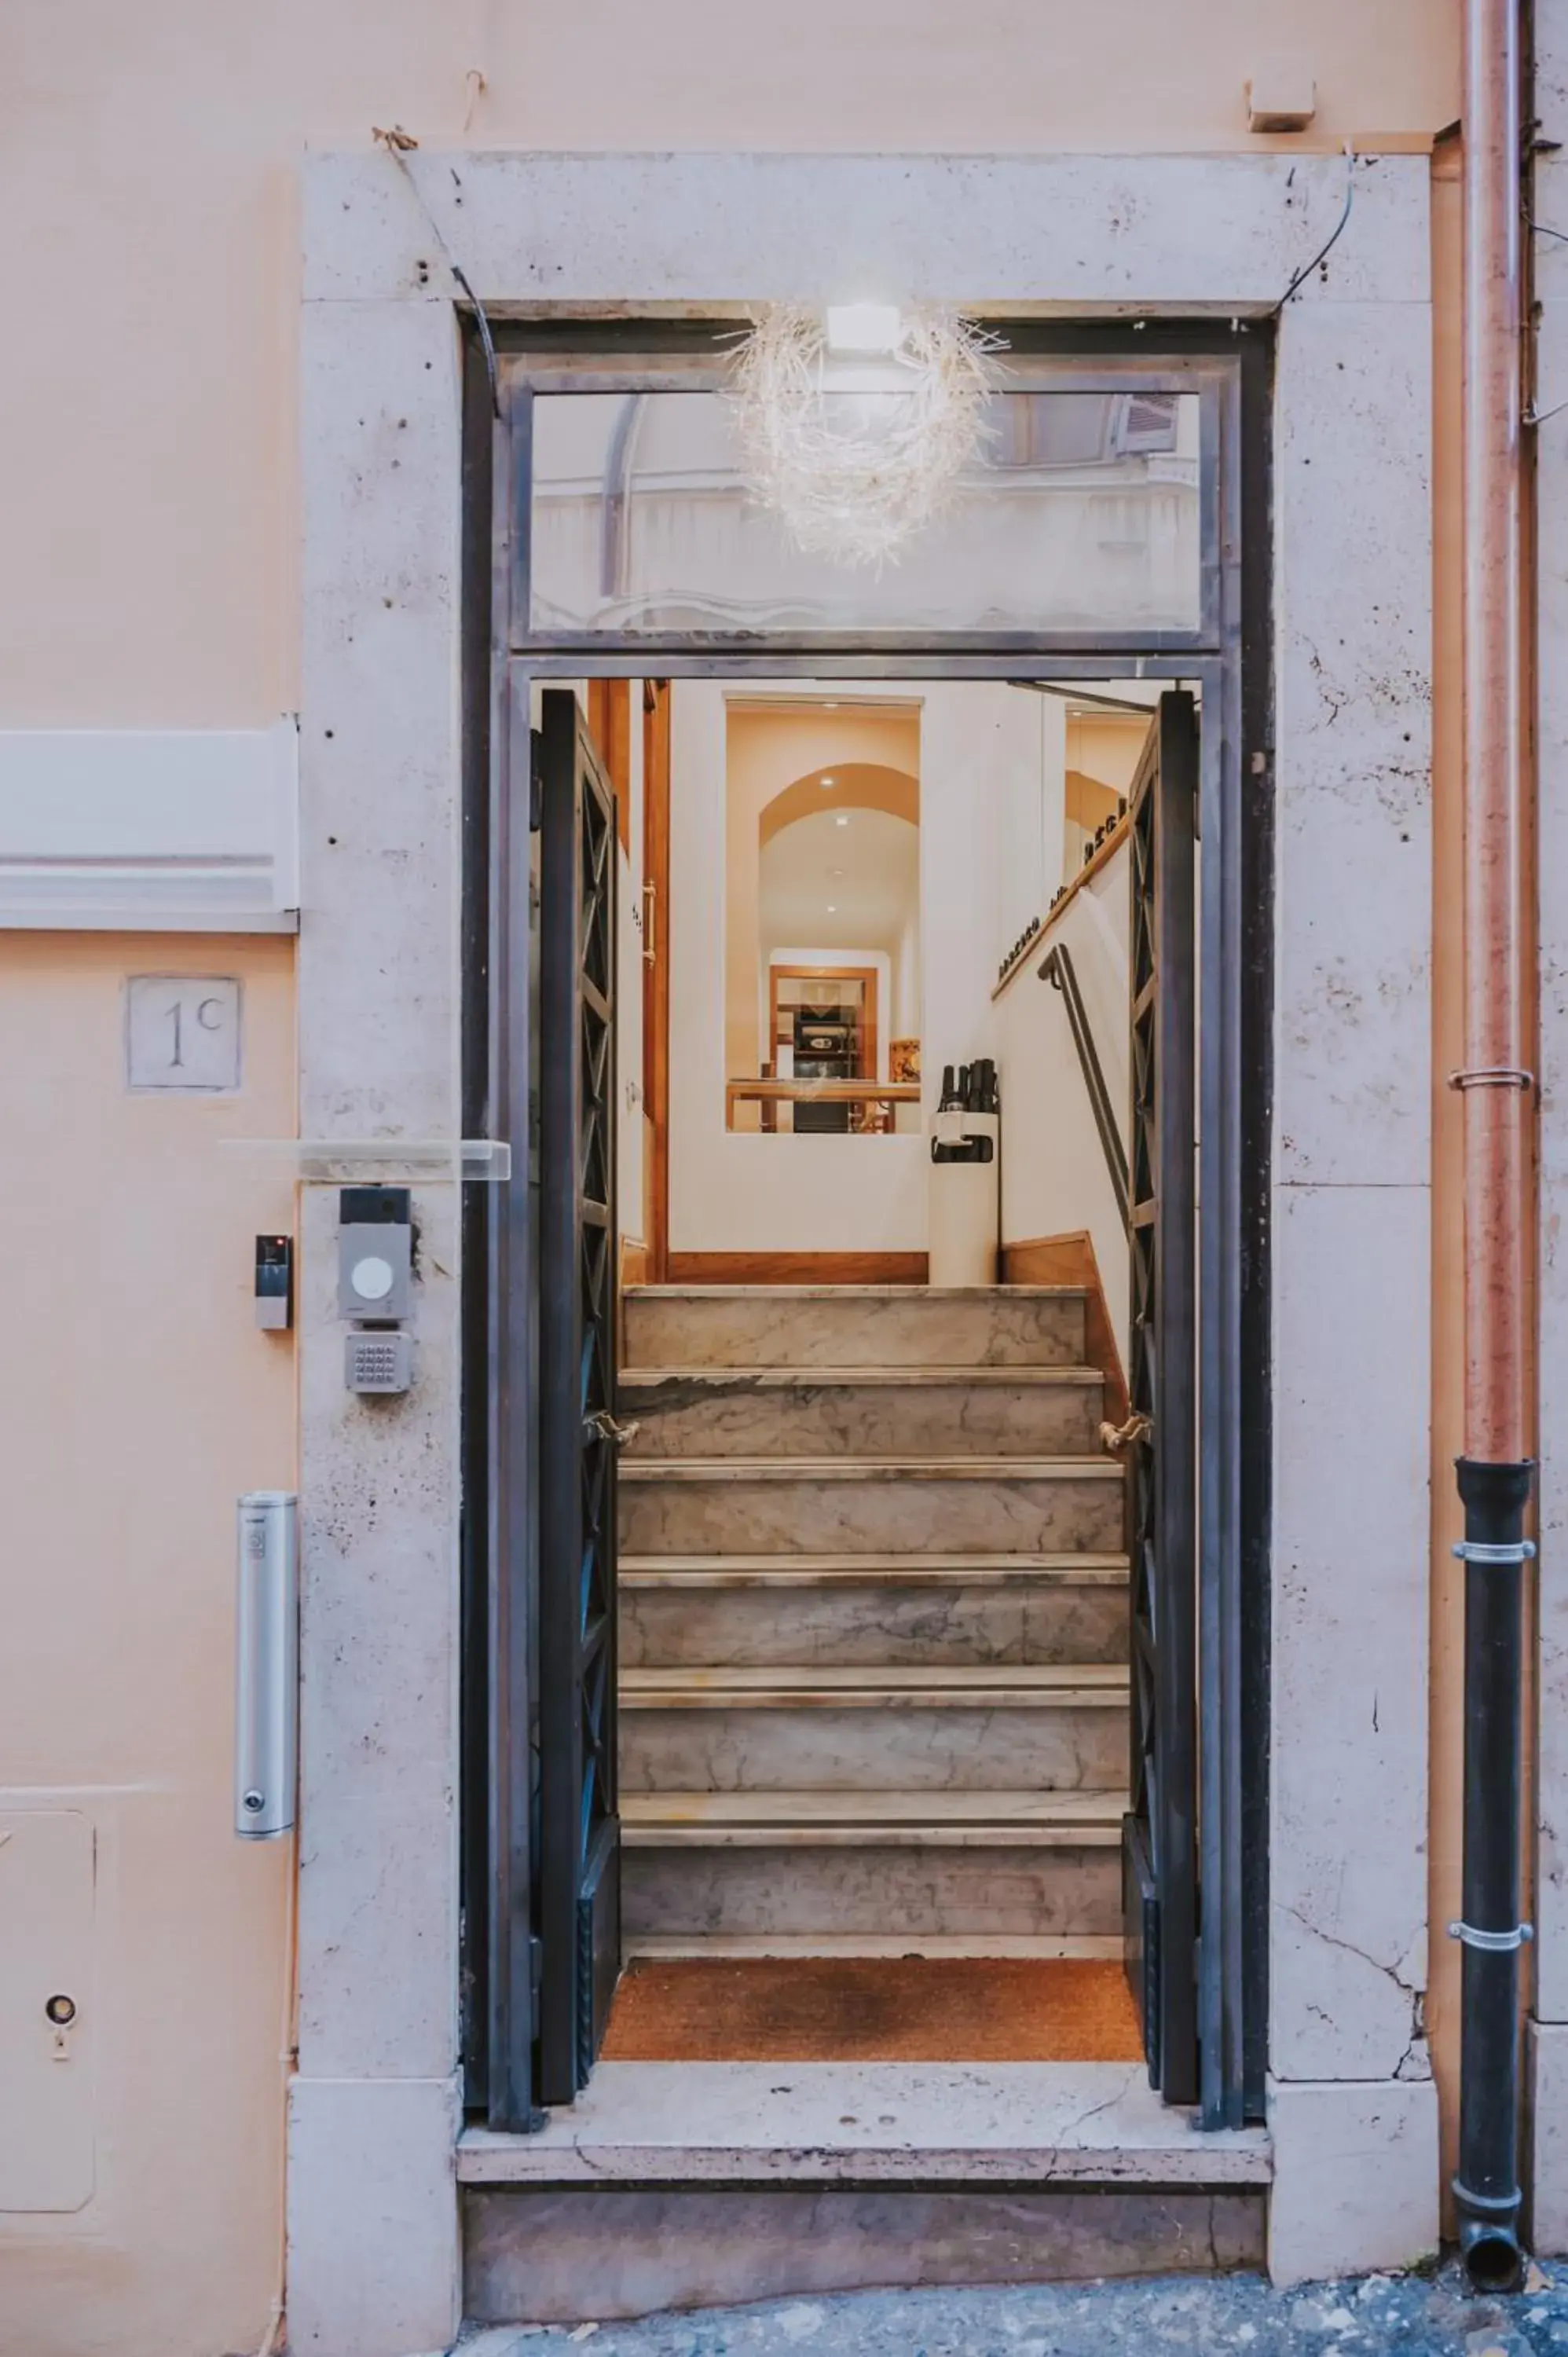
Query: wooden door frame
(864, 975)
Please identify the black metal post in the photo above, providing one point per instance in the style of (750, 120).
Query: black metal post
(1487, 2189)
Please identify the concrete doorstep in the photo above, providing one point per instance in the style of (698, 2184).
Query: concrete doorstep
(1418, 2316)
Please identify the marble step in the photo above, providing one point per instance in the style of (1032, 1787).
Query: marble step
(828, 1865)
(862, 1411)
(852, 1326)
(808, 1879)
(863, 1610)
(1045, 1727)
(971, 1505)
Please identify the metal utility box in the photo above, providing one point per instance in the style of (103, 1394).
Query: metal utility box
(47, 2009)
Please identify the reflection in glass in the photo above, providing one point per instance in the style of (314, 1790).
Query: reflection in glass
(1084, 516)
(822, 914)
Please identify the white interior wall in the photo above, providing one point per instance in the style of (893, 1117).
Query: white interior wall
(1054, 1178)
(992, 764)
(733, 1190)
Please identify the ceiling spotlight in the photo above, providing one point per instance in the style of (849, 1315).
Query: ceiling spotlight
(824, 783)
(833, 908)
(843, 818)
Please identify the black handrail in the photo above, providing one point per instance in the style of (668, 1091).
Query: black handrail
(1058, 971)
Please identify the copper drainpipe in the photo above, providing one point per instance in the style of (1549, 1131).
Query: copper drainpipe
(1495, 1473)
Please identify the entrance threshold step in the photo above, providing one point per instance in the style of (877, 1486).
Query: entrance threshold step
(912, 2124)
(1045, 1686)
(771, 1820)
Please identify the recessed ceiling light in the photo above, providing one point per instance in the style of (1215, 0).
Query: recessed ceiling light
(831, 703)
(825, 781)
(833, 908)
(843, 818)
(835, 871)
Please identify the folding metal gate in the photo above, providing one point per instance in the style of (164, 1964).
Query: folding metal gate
(1160, 1853)
(579, 1832)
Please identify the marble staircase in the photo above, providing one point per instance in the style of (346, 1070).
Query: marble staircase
(872, 1624)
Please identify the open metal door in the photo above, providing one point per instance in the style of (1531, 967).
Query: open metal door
(1160, 1846)
(579, 1833)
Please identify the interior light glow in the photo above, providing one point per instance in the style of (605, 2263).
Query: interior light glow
(864, 328)
(826, 783)
(843, 818)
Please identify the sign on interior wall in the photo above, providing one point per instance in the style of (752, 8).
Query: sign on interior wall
(182, 1032)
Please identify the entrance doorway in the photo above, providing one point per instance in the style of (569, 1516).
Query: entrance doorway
(815, 1694)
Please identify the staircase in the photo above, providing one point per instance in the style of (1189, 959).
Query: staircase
(872, 1624)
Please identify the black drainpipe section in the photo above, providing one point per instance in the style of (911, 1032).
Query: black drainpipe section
(1487, 2190)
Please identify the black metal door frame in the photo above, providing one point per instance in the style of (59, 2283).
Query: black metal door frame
(1231, 673)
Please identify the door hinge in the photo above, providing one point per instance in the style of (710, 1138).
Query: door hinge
(535, 780)
(535, 1965)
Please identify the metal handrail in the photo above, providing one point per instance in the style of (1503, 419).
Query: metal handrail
(1057, 970)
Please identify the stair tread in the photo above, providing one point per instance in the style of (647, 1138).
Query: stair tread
(854, 1292)
(1029, 1685)
(772, 1378)
(869, 1819)
(869, 1469)
(872, 1808)
(809, 1571)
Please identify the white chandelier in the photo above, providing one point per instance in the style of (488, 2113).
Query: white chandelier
(856, 425)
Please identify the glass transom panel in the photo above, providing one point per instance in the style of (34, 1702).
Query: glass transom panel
(1083, 515)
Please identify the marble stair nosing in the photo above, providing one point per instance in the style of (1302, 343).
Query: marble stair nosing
(1029, 1686)
(1080, 1570)
(751, 1820)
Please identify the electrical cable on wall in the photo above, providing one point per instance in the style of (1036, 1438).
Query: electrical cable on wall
(398, 142)
(1323, 250)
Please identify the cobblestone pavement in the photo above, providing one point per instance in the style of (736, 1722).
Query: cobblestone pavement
(1417, 2316)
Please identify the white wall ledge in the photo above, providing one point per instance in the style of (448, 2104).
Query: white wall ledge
(187, 830)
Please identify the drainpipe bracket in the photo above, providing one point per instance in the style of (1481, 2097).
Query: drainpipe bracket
(1489, 2205)
(1485, 1551)
(1493, 1076)
(1492, 1943)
